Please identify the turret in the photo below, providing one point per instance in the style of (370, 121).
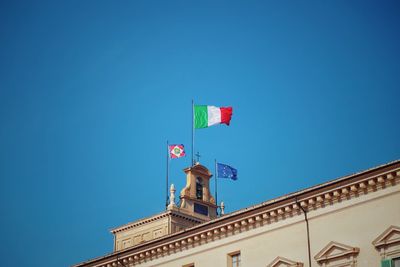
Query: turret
(196, 199)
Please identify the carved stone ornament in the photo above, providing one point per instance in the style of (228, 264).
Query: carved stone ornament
(283, 262)
(172, 197)
(335, 252)
(388, 243)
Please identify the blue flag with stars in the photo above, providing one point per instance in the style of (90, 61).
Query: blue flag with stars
(226, 171)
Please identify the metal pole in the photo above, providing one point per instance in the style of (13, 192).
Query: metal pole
(216, 187)
(193, 133)
(166, 200)
(308, 233)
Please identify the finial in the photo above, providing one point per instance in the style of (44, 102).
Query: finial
(222, 208)
(172, 197)
(198, 158)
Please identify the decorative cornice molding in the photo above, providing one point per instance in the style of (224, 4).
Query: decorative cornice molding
(269, 212)
(390, 236)
(281, 261)
(140, 222)
(171, 213)
(335, 250)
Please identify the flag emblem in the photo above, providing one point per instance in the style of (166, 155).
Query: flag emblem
(226, 171)
(176, 151)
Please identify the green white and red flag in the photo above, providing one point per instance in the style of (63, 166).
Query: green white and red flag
(206, 116)
(176, 151)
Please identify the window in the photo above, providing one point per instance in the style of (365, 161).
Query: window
(391, 262)
(234, 259)
(388, 246)
(396, 262)
(188, 265)
(200, 209)
(199, 188)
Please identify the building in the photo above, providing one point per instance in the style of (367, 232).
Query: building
(347, 222)
(196, 207)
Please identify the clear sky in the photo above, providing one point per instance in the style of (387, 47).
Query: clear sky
(90, 91)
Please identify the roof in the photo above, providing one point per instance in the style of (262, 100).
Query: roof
(275, 206)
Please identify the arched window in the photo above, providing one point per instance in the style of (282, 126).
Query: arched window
(199, 188)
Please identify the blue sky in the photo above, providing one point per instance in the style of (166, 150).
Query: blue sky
(90, 91)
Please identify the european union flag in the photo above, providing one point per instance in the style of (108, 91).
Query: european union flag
(226, 171)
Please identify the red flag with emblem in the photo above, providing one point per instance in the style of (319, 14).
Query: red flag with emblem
(176, 151)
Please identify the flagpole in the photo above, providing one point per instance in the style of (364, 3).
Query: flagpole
(193, 133)
(166, 196)
(216, 178)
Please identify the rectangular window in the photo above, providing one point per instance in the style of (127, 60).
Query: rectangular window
(201, 209)
(396, 262)
(234, 259)
(188, 265)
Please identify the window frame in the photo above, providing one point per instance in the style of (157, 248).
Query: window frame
(231, 256)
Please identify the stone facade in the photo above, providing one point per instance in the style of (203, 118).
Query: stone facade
(351, 221)
(154, 227)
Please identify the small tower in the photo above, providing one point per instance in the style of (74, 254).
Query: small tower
(197, 206)
(196, 199)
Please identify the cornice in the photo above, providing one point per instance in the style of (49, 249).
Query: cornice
(155, 218)
(140, 222)
(198, 168)
(390, 236)
(266, 213)
(210, 204)
(280, 261)
(343, 250)
(185, 216)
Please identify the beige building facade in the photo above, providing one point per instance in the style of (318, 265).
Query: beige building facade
(351, 221)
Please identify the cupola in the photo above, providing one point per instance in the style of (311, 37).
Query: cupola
(196, 198)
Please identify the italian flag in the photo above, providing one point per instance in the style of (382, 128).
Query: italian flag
(206, 116)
